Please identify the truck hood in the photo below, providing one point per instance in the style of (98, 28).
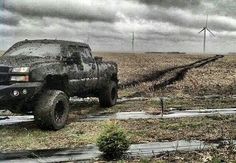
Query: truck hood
(25, 61)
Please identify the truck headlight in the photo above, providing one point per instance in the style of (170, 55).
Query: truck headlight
(20, 78)
(20, 69)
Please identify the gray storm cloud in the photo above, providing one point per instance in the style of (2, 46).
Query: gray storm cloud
(108, 24)
(75, 10)
(9, 18)
(171, 3)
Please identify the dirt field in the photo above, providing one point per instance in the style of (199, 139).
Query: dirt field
(134, 66)
(215, 79)
(218, 77)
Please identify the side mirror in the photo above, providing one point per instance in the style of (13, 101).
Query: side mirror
(98, 59)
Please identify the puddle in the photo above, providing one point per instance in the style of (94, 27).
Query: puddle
(7, 120)
(52, 155)
(159, 147)
(120, 100)
(4, 118)
(171, 114)
(211, 110)
(90, 152)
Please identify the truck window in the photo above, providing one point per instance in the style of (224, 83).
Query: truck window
(86, 55)
(72, 49)
(35, 50)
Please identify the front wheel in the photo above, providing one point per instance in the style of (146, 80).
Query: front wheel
(52, 109)
(108, 96)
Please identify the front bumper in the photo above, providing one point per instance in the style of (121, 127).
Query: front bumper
(26, 90)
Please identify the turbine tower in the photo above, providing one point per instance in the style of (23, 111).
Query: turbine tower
(133, 42)
(205, 29)
(88, 38)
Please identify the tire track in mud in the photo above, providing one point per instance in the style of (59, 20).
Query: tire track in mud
(179, 75)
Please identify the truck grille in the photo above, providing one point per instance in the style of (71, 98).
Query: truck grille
(4, 74)
(4, 69)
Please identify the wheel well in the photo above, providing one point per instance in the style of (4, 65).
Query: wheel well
(57, 82)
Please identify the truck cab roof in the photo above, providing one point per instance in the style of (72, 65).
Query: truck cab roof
(49, 41)
(42, 47)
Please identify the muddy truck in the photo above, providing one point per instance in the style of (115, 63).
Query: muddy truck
(39, 76)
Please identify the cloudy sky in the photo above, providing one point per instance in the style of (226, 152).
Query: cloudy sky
(107, 25)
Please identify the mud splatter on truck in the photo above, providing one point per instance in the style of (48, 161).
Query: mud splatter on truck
(39, 76)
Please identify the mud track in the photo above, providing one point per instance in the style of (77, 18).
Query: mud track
(12, 120)
(179, 75)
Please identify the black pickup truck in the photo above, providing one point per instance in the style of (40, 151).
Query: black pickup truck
(38, 77)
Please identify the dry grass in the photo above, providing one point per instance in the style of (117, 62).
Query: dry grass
(28, 136)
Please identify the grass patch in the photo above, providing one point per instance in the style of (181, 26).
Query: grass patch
(28, 136)
(202, 128)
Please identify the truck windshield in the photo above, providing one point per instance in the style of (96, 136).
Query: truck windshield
(35, 49)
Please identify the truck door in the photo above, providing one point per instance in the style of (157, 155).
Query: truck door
(90, 68)
(75, 71)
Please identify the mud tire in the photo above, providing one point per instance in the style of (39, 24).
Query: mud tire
(108, 96)
(51, 110)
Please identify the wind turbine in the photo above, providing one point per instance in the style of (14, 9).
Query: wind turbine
(205, 29)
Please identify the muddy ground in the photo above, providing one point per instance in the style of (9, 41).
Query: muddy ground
(183, 81)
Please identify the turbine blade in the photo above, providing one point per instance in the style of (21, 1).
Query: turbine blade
(210, 32)
(202, 30)
(206, 20)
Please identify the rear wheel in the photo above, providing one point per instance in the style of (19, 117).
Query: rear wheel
(52, 109)
(108, 96)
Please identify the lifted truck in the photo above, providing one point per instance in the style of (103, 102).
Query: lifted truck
(39, 76)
